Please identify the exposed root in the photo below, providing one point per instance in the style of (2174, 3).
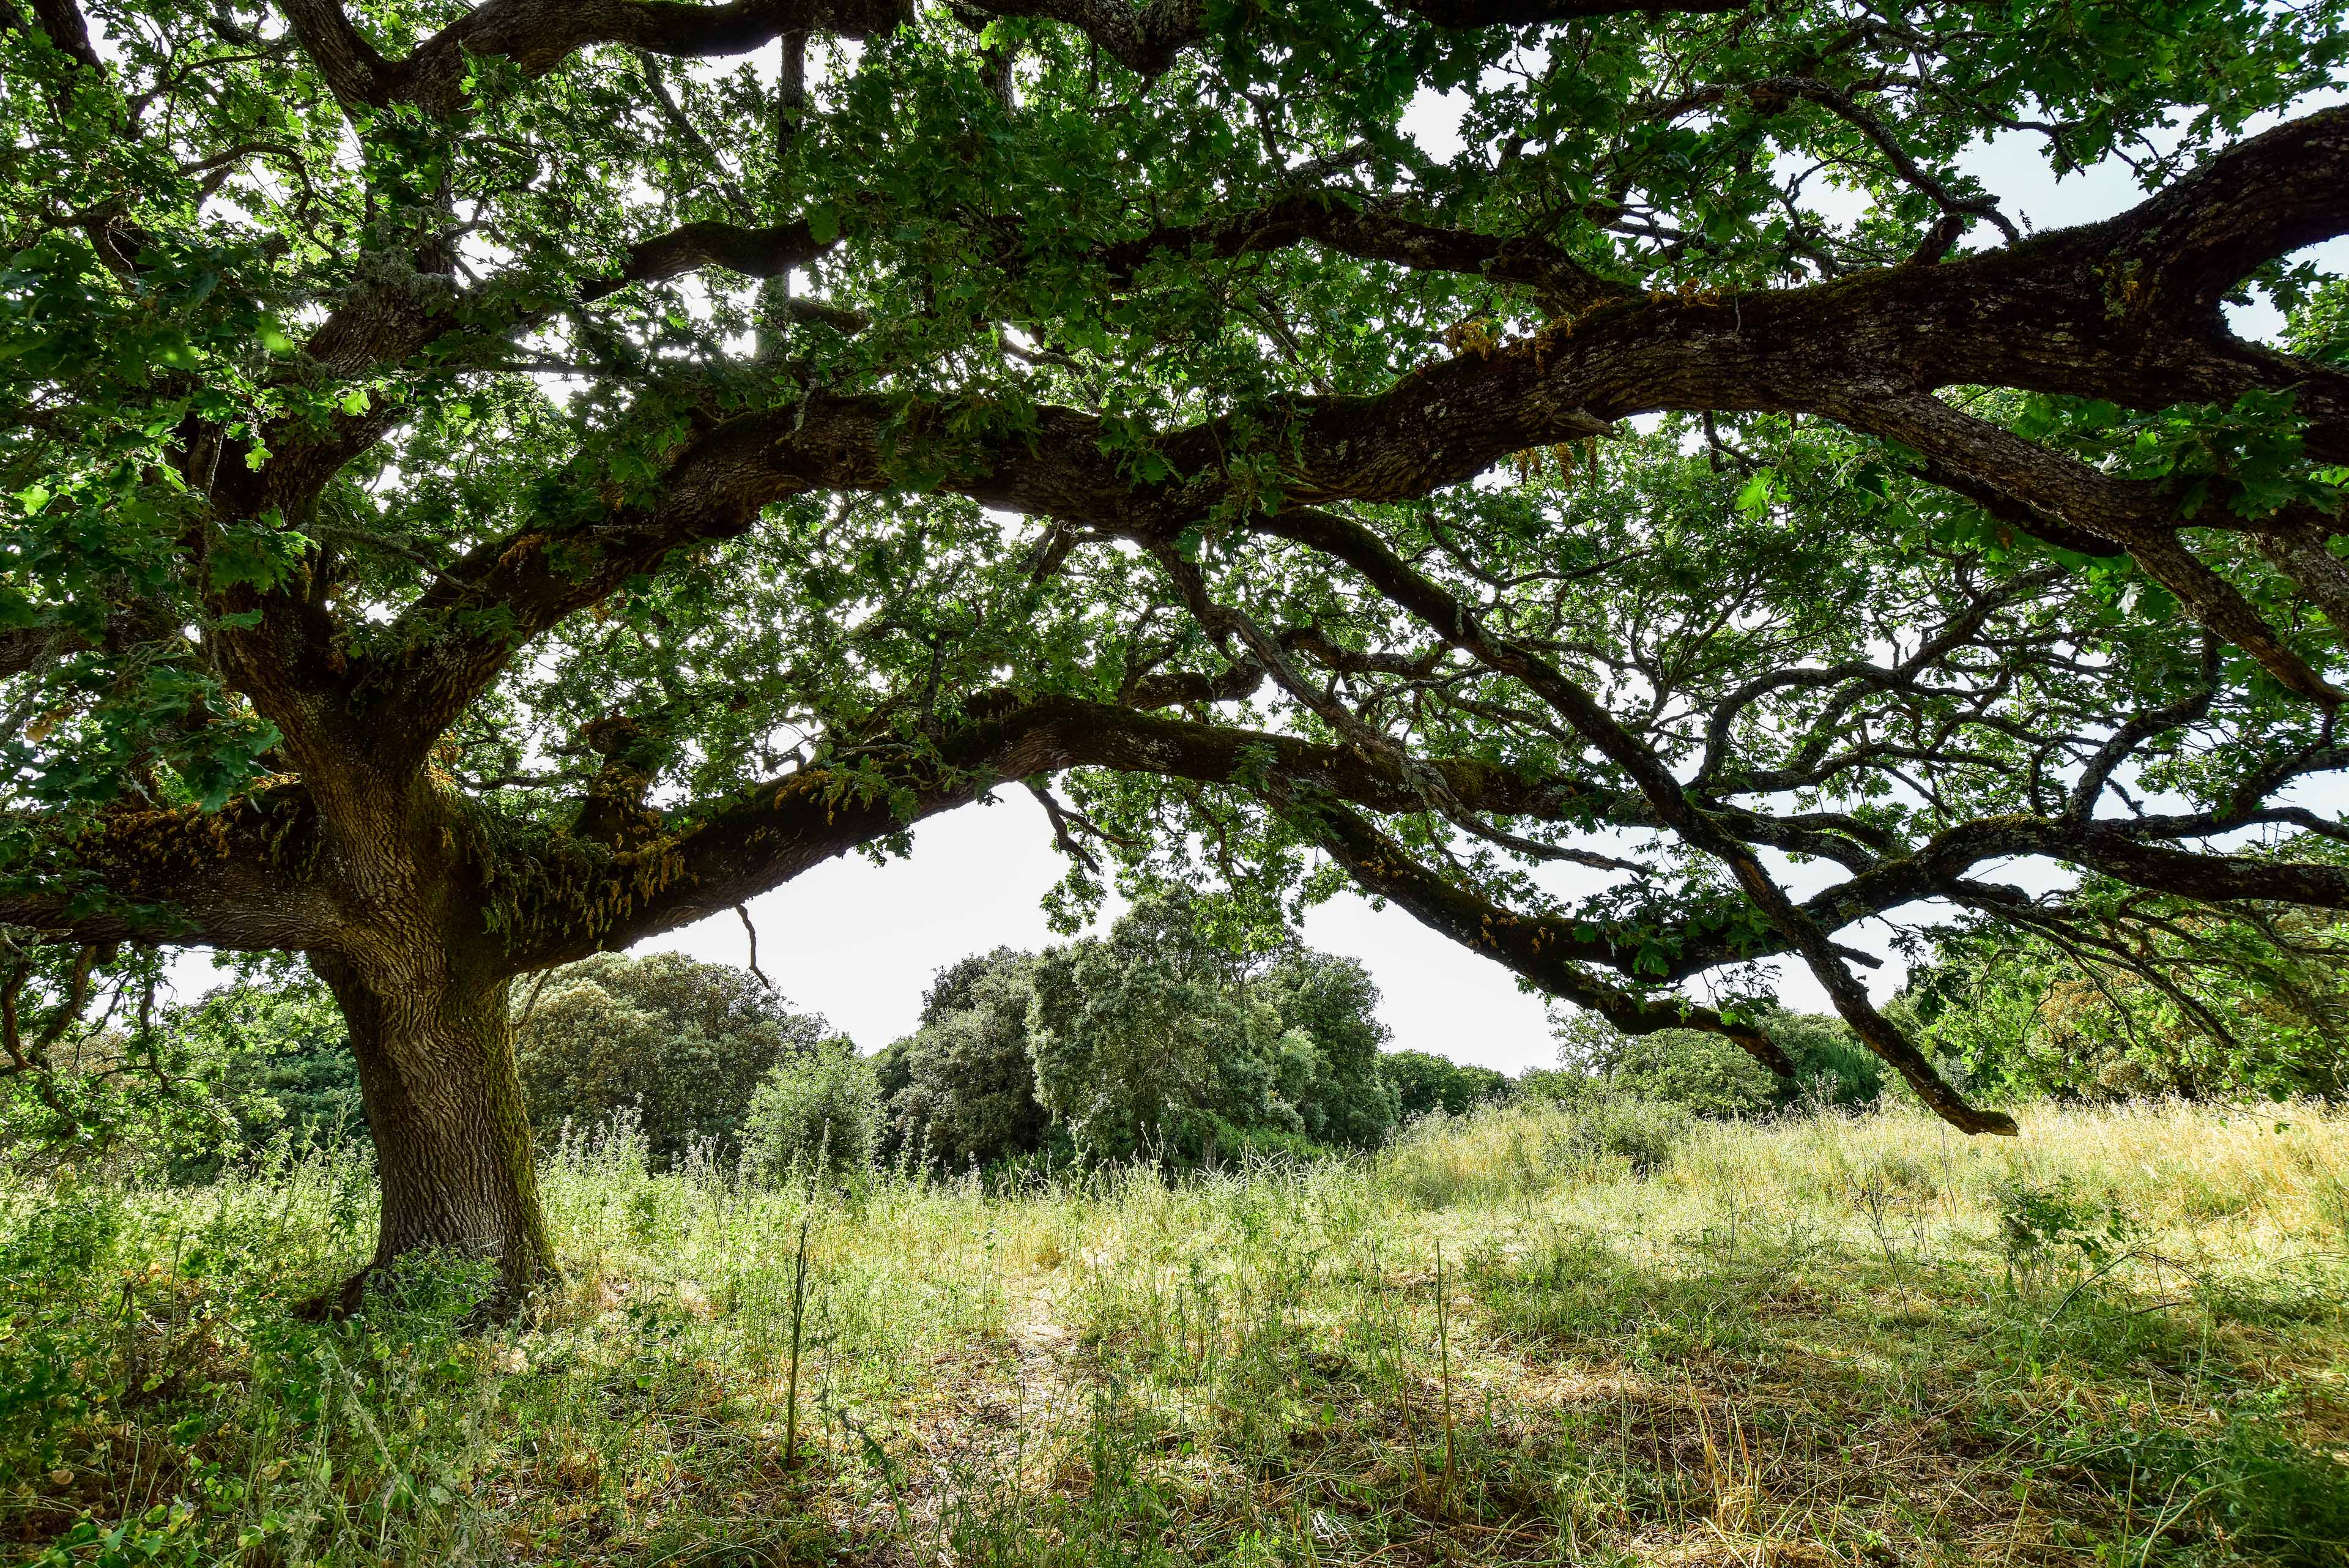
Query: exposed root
(520, 1292)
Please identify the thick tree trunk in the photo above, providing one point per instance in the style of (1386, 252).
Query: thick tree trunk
(451, 1134)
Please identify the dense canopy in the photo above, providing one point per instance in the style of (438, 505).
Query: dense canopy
(487, 484)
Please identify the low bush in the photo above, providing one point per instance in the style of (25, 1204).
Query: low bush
(683, 1043)
(1424, 1083)
(1499, 1152)
(1710, 1075)
(817, 1114)
(1641, 1132)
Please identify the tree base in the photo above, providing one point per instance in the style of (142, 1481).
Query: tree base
(517, 1294)
(339, 1302)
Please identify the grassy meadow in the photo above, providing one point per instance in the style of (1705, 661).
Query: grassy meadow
(1603, 1336)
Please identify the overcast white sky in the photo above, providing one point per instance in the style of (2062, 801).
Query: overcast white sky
(858, 942)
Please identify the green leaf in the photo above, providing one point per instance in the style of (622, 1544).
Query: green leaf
(255, 555)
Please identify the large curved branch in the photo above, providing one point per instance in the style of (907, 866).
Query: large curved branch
(1531, 946)
(1868, 347)
(1994, 465)
(765, 252)
(67, 29)
(819, 812)
(727, 852)
(539, 35)
(2187, 246)
(1460, 626)
(736, 849)
(2126, 857)
(2033, 317)
(242, 877)
(1336, 221)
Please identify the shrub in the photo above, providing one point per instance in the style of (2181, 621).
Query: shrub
(961, 1090)
(1553, 1086)
(1499, 1152)
(1423, 1083)
(816, 1113)
(1158, 1040)
(2040, 1228)
(1712, 1076)
(1641, 1132)
(684, 1042)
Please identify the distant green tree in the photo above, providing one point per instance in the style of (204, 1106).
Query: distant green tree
(1712, 1076)
(961, 1090)
(1423, 1083)
(285, 1067)
(1147, 1042)
(1345, 1100)
(816, 1112)
(684, 1044)
(1168, 1037)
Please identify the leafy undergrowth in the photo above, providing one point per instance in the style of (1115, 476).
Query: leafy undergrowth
(1595, 1336)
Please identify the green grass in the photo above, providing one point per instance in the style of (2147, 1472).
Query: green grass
(1611, 1336)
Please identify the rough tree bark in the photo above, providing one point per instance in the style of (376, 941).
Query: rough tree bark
(435, 1048)
(420, 974)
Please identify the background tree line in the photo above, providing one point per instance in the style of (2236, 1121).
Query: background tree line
(1167, 1039)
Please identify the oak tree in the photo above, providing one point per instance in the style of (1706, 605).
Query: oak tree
(487, 484)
